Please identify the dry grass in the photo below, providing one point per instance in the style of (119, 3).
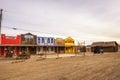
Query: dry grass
(94, 67)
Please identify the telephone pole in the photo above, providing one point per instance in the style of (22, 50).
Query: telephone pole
(0, 22)
(84, 48)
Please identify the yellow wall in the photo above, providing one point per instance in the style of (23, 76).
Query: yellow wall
(69, 45)
(69, 49)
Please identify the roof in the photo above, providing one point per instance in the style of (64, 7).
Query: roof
(69, 39)
(59, 40)
(16, 45)
(104, 44)
(28, 34)
(44, 37)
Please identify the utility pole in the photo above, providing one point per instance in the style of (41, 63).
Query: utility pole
(0, 22)
(57, 52)
(84, 48)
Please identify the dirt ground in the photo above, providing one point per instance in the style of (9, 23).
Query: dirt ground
(92, 67)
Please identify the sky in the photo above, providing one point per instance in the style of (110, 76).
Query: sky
(83, 20)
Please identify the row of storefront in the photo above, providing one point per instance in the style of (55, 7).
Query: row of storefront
(35, 44)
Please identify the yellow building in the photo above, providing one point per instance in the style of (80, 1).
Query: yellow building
(69, 45)
(60, 43)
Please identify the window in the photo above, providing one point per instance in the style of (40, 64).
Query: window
(23, 38)
(48, 40)
(28, 36)
(42, 40)
(38, 40)
(52, 40)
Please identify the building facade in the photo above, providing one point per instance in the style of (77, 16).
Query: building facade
(59, 45)
(111, 46)
(69, 45)
(45, 45)
(28, 43)
(9, 44)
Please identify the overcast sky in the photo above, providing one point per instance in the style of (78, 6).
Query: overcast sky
(89, 20)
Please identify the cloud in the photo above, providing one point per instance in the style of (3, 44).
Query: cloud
(87, 19)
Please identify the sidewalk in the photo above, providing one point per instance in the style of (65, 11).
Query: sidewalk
(55, 55)
(64, 55)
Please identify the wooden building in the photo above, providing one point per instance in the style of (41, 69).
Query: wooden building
(28, 43)
(111, 46)
(28, 39)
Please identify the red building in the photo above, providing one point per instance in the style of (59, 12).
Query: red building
(10, 39)
(10, 43)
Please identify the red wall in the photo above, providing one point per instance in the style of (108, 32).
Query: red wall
(10, 39)
(3, 51)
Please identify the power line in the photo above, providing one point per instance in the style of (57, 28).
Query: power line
(58, 34)
(28, 30)
(21, 29)
(15, 28)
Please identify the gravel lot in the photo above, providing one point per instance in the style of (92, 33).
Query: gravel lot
(89, 67)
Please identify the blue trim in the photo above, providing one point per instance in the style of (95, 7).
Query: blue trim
(39, 41)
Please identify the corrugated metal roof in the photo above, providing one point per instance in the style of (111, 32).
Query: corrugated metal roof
(104, 44)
